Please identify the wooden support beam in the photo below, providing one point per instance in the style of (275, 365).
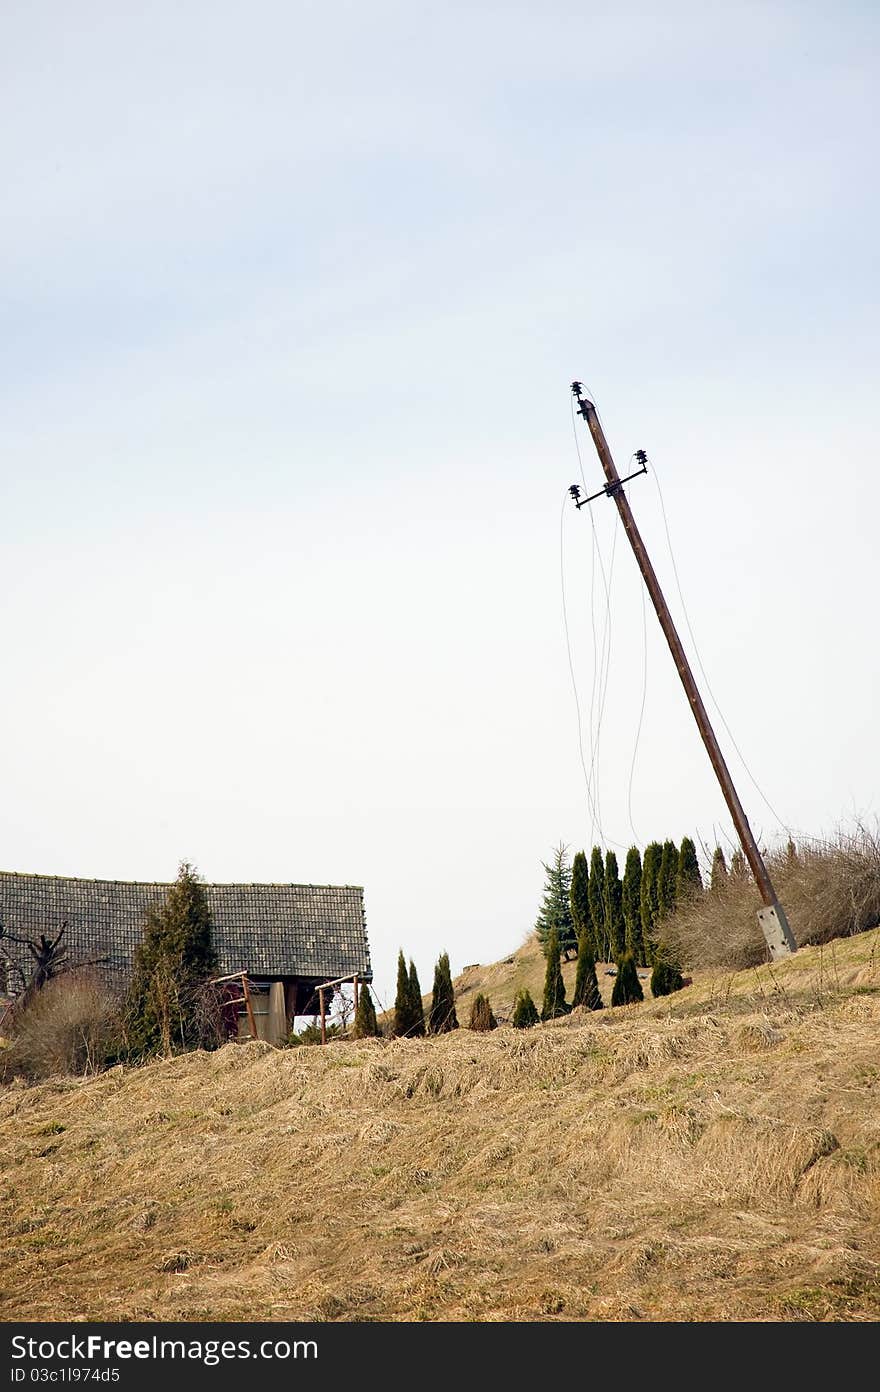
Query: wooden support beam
(250, 1009)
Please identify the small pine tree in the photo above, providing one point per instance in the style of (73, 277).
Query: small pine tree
(666, 879)
(171, 965)
(665, 978)
(555, 911)
(366, 1026)
(580, 899)
(596, 897)
(525, 1012)
(719, 877)
(791, 853)
(688, 880)
(586, 985)
(614, 921)
(632, 905)
(415, 999)
(554, 986)
(442, 1016)
(627, 987)
(404, 1020)
(650, 904)
(481, 1014)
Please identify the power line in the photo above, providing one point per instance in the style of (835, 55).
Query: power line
(577, 702)
(641, 713)
(712, 698)
(603, 680)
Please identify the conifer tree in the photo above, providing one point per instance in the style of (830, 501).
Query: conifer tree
(580, 899)
(442, 1015)
(525, 1012)
(719, 875)
(171, 964)
(586, 985)
(415, 999)
(650, 904)
(666, 879)
(596, 897)
(403, 1011)
(666, 977)
(632, 905)
(482, 1017)
(791, 853)
(366, 1026)
(688, 881)
(554, 986)
(627, 987)
(614, 920)
(555, 911)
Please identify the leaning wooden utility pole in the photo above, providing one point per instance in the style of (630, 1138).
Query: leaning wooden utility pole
(772, 920)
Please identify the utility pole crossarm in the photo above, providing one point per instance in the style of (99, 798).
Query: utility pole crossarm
(771, 918)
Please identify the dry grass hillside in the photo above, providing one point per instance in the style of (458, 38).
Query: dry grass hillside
(523, 969)
(711, 1155)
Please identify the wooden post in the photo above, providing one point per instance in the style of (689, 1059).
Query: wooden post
(250, 1009)
(355, 993)
(323, 1018)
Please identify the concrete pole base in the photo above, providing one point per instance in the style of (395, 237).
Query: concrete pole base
(777, 934)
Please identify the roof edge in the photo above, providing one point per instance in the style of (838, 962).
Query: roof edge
(166, 884)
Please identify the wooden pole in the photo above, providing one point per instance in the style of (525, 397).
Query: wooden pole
(774, 924)
(323, 1018)
(355, 993)
(250, 1009)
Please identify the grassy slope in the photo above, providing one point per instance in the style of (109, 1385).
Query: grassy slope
(712, 1155)
(522, 969)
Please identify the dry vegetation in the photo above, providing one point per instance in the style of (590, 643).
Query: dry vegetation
(830, 889)
(68, 1027)
(713, 1155)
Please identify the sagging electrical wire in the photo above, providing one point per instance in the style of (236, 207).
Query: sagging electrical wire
(594, 820)
(709, 690)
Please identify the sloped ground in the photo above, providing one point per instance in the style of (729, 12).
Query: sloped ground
(714, 1155)
(522, 970)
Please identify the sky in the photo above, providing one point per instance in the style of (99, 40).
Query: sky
(291, 299)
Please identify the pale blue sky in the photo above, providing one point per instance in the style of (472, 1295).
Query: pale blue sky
(291, 297)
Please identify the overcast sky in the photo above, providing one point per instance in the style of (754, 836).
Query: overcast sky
(292, 295)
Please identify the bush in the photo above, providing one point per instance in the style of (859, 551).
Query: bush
(627, 987)
(554, 986)
(311, 1034)
(481, 1014)
(442, 1016)
(409, 1013)
(416, 1006)
(525, 1012)
(665, 978)
(73, 1025)
(829, 889)
(366, 1026)
(586, 985)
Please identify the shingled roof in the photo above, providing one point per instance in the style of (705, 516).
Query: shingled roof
(313, 931)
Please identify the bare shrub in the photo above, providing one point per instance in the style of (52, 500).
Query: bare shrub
(828, 888)
(70, 1026)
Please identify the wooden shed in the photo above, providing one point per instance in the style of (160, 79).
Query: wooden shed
(289, 938)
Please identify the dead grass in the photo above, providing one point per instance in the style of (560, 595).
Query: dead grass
(711, 1155)
(829, 889)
